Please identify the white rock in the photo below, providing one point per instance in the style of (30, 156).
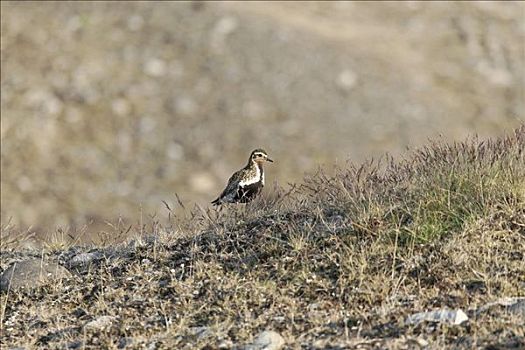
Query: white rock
(155, 67)
(185, 105)
(347, 79)
(515, 305)
(24, 183)
(225, 344)
(120, 106)
(267, 340)
(224, 27)
(84, 259)
(455, 317)
(101, 323)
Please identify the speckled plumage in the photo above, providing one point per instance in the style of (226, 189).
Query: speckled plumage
(245, 184)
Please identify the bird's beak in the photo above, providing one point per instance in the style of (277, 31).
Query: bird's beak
(269, 160)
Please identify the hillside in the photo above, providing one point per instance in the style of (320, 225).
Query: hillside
(336, 261)
(108, 108)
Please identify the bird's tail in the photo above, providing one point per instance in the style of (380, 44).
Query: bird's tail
(217, 201)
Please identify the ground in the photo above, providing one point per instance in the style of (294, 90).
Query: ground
(335, 261)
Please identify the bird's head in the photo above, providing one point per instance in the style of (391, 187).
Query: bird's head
(259, 155)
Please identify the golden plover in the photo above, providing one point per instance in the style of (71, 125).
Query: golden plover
(245, 184)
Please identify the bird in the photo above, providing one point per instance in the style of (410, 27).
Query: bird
(245, 184)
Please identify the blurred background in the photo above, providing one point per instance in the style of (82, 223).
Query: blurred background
(109, 108)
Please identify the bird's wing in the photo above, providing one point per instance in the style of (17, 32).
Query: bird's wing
(233, 183)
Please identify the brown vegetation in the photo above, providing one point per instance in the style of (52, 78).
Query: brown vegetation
(338, 261)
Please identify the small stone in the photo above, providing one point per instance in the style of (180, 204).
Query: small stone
(279, 319)
(24, 183)
(85, 259)
(185, 105)
(226, 25)
(200, 332)
(125, 342)
(155, 67)
(514, 305)
(225, 344)
(101, 323)
(120, 107)
(455, 317)
(31, 273)
(347, 79)
(223, 28)
(267, 340)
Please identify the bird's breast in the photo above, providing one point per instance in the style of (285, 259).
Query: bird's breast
(253, 176)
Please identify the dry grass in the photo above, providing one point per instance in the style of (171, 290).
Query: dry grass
(338, 261)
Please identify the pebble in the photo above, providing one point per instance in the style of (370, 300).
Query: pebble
(85, 259)
(347, 79)
(267, 340)
(125, 342)
(223, 28)
(101, 323)
(185, 106)
(155, 67)
(455, 317)
(514, 305)
(121, 107)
